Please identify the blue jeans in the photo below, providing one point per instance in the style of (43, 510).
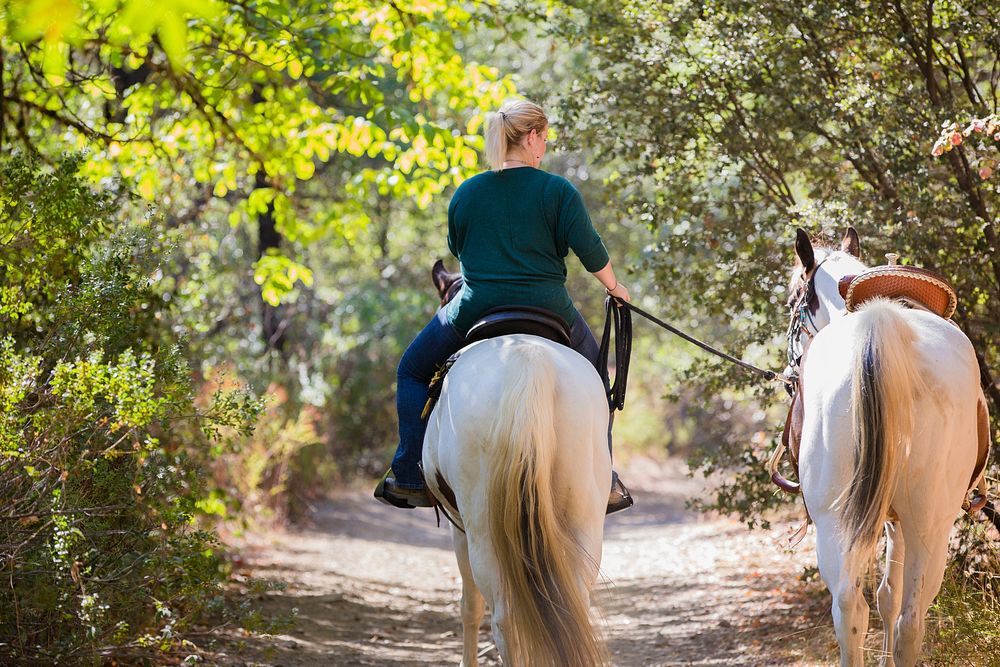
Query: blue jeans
(428, 351)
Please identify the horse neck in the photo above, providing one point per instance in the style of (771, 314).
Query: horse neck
(835, 266)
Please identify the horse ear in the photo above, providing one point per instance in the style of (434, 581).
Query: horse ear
(439, 275)
(851, 243)
(804, 249)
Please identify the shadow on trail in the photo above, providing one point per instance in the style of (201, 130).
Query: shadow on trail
(650, 509)
(362, 517)
(655, 623)
(347, 630)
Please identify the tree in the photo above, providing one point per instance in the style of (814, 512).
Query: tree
(245, 101)
(732, 122)
(297, 154)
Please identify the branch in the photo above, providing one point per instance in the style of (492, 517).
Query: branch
(926, 68)
(104, 509)
(70, 122)
(210, 113)
(772, 176)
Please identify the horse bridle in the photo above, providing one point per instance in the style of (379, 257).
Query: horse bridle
(800, 321)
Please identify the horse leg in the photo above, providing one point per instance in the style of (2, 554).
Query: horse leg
(890, 591)
(472, 602)
(842, 575)
(923, 570)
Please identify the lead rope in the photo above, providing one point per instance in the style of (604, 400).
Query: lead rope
(768, 375)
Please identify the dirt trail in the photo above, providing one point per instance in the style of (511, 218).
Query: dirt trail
(378, 586)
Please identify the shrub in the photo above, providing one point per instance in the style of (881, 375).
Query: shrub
(102, 446)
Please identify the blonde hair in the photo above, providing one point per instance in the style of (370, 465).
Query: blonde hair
(508, 126)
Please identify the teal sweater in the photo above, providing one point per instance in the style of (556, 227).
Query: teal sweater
(511, 231)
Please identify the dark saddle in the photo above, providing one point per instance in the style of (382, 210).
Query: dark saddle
(496, 322)
(508, 320)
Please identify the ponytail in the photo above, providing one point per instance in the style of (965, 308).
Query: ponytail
(508, 126)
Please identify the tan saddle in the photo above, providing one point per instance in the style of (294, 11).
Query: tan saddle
(916, 288)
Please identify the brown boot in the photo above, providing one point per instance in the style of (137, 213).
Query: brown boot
(389, 493)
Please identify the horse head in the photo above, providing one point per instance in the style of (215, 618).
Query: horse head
(448, 284)
(814, 295)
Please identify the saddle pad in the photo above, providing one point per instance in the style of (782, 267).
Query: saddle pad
(894, 282)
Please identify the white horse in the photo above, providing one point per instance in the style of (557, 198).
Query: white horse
(517, 450)
(889, 438)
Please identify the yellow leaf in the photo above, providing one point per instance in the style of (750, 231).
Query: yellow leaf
(270, 296)
(173, 37)
(54, 56)
(147, 185)
(53, 20)
(304, 169)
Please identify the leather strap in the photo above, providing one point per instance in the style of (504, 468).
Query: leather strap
(621, 319)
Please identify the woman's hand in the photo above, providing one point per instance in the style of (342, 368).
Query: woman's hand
(607, 277)
(619, 292)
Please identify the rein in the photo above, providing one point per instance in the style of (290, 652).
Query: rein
(766, 374)
(622, 321)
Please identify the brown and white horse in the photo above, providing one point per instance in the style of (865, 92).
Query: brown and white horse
(889, 438)
(517, 451)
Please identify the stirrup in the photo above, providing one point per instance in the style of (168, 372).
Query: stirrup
(619, 498)
(387, 492)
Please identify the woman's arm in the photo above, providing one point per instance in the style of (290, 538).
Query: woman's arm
(611, 284)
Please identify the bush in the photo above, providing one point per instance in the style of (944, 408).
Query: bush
(102, 446)
(963, 626)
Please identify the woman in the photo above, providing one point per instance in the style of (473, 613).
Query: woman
(511, 228)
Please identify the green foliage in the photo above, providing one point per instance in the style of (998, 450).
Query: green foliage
(101, 457)
(41, 238)
(962, 625)
(249, 103)
(731, 122)
(742, 485)
(130, 25)
(267, 478)
(298, 151)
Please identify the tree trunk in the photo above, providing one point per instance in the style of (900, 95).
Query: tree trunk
(272, 317)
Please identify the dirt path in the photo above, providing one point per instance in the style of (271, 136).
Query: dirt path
(379, 586)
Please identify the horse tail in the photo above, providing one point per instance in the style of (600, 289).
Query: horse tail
(547, 619)
(886, 377)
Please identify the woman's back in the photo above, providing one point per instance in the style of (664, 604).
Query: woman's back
(512, 231)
